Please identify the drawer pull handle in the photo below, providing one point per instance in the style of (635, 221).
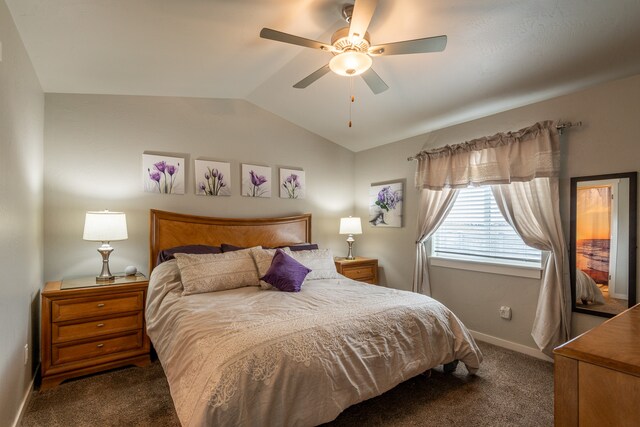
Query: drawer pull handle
(100, 345)
(99, 325)
(101, 305)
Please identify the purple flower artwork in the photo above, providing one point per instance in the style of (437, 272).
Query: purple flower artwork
(385, 205)
(256, 181)
(212, 178)
(292, 184)
(164, 175)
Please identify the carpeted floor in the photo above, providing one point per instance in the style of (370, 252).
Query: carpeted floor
(510, 389)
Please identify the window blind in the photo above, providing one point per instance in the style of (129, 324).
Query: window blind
(475, 229)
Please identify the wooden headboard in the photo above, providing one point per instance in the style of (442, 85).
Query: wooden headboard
(168, 229)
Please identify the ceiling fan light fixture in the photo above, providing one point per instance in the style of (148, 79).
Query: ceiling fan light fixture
(350, 63)
(351, 47)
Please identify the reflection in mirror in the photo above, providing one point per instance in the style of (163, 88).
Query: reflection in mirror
(603, 243)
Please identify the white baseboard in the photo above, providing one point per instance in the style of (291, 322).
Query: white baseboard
(25, 401)
(520, 348)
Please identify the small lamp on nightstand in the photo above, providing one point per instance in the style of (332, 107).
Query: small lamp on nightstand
(350, 226)
(105, 227)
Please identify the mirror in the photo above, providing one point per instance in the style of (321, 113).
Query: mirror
(603, 243)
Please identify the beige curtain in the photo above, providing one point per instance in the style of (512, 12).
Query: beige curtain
(532, 209)
(523, 169)
(433, 208)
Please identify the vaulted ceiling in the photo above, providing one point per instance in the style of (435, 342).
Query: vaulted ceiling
(500, 54)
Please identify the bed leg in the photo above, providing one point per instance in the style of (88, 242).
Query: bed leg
(450, 367)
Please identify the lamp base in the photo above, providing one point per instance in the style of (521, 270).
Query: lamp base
(105, 275)
(350, 241)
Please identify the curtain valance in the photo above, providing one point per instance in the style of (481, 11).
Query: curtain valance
(521, 156)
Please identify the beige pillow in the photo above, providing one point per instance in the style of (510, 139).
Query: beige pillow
(320, 261)
(217, 272)
(263, 259)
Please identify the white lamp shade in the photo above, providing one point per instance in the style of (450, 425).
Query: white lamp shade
(350, 225)
(105, 226)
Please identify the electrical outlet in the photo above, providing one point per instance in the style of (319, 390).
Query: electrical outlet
(26, 353)
(505, 312)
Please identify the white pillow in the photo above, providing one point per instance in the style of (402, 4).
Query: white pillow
(217, 272)
(320, 261)
(263, 259)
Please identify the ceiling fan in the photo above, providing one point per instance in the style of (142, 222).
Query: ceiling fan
(352, 49)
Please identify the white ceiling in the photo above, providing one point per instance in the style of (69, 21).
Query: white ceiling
(500, 54)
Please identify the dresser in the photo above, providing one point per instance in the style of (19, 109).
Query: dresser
(87, 328)
(597, 375)
(361, 269)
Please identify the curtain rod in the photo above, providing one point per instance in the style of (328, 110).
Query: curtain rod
(564, 125)
(561, 126)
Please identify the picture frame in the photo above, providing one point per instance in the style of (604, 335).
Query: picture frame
(385, 204)
(163, 174)
(256, 181)
(292, 184)
(212, 178)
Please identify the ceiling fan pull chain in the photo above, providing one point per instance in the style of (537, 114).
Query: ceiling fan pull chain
(353, 98)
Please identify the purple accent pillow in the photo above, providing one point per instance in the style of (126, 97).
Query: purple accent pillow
(285, 273)
(167, 254)
(302, 247)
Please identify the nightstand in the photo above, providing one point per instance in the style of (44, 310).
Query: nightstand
(361, 269)
(89, 327)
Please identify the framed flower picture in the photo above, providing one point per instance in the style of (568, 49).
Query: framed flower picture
(292, 184)
(385, 204)
(212, 178)
(256, 181)
(162, 174)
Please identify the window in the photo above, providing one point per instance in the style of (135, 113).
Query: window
(475, 230)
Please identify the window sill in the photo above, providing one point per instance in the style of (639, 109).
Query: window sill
(485, 267)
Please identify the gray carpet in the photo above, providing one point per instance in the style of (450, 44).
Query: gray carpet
(510, 389)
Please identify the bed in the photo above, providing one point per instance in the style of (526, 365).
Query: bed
(261, 357)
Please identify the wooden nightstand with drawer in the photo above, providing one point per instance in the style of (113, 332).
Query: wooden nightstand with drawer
(89, 327)
(360, 268)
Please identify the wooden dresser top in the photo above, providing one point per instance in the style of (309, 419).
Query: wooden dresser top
(615, 344)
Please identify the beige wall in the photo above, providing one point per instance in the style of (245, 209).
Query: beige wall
(607, 143)
(21, 124)
(93, 161)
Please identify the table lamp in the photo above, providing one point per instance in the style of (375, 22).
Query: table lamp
(105, 227)
(350, 226)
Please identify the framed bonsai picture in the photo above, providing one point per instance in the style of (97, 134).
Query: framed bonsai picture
(385, 204)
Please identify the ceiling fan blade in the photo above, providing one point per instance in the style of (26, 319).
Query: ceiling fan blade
(361, 17)
(373, 80)
(312, 77)
(429, 44)
(268, 33)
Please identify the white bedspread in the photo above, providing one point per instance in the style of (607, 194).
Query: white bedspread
(252, 357)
